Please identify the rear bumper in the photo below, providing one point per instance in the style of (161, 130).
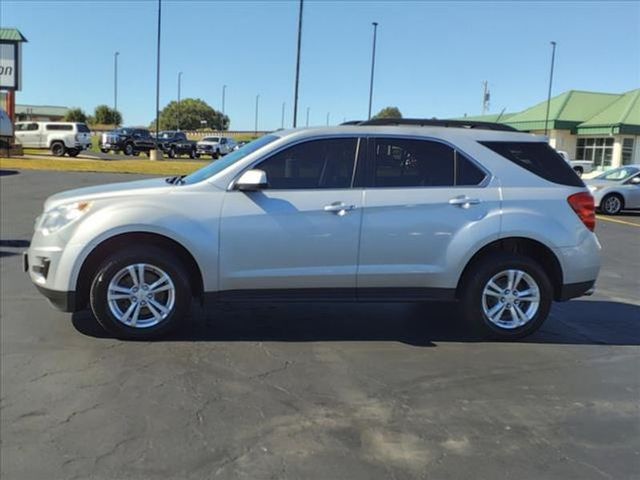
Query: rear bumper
(574, 290)
(64, 301)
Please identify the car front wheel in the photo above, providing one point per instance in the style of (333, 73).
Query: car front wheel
(506, 296)
(141, 293)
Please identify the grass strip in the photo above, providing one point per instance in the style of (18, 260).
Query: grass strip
(146, 167)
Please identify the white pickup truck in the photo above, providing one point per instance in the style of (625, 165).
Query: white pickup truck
(579, 166)
(59, 137)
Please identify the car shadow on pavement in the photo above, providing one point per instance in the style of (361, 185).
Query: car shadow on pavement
(574, 323)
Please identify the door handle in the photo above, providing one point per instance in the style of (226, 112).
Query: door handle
(339, 208)
(464, 201)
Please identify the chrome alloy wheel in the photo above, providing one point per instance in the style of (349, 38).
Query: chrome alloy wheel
(511, 299)
(141, 295)
(612, 205)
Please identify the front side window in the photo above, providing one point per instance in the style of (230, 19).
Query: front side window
(314, 164)
(82, 128)
(32, 127)
(412, 163)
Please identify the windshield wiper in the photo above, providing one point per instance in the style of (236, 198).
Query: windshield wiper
(177, 180)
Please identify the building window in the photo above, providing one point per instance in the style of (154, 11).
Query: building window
(597, 150)
(627, 151)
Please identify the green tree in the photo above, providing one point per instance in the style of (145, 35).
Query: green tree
(388, 112)
(105, 115)
(189, 116)
(75, 115)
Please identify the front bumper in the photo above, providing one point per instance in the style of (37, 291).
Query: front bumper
(65, 301)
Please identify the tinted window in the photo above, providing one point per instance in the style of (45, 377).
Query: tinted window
(538, 158)
(618, 174)
(59, 127)
(467, 173)
(412, 163)
(82, 128)
(313, 164)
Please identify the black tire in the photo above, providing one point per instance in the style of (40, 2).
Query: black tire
(193, 154)
(158, 258)
(104, 150)
(579, 171)
(172, 152)
(73, 152)
(479, 275)
(612, 204)
(217, 154)
(58, 149)
(128, 149)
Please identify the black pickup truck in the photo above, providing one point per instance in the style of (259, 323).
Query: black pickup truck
(175, 144)
(130, 141)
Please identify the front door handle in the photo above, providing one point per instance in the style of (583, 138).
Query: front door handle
(463, 201)
(339, 208)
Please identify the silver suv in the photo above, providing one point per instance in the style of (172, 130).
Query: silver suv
(376, 211)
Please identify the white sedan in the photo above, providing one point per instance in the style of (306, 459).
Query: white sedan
(617, 189)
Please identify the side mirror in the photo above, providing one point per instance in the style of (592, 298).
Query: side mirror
(635, 181)
(252, 180)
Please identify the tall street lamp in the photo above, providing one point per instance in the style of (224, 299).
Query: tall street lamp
(328, 115)
(373, 65)
(115, 88)
(158, 74)
(308, 109)
(553, 59)
(282, 119)
(178, 111)
(224, 89)
(295, 95)
(256, 123)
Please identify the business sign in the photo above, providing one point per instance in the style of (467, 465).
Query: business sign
(9, 66)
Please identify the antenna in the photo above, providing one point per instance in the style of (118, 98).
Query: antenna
(486, 96)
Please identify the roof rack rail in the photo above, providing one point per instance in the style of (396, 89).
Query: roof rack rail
(433, 122)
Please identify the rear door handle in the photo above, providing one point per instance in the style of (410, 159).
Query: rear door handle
(464, 201)
(339, 208)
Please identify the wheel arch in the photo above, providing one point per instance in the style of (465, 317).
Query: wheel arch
(523, 246)
(111, 244)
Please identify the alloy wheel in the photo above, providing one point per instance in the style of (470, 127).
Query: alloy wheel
(511, 299)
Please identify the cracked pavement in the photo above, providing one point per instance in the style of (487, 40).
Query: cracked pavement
(315, 391)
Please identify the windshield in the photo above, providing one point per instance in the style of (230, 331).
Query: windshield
(166, 134)
(210, 139)
(218, 165)
(618, 174)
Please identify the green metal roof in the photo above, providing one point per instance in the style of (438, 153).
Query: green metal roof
(620, 117)
(12, 35)
(566, 111)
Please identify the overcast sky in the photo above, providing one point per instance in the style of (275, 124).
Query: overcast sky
(432, 56)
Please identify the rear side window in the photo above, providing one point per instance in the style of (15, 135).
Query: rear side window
(538, 158)
(59, 127)
(82, 128)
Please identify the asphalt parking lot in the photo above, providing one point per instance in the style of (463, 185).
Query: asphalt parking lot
(316, 391)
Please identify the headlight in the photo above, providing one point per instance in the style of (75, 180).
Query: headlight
(61, 216)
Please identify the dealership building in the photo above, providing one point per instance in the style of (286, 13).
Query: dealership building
(602, 127)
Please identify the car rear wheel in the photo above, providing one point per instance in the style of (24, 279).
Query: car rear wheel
(141, 293)
(73, 152)
(128, 149)
(193, 154)
(57, 149)
(506, 296)
(612, 204)
(172, 152)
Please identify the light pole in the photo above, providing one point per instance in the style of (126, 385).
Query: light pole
(115, 88)
(178, 111)
(224, 89)
(295, 95)
(282, 119)
(328, 115)
(373, 65)
(553, 59)
(256, 123)
(157, 152)
(308, 108)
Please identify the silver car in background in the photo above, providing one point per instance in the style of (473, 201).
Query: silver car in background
(616, 189)
(385, 210)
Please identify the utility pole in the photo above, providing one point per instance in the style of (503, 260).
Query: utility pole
(282, 119)
(328, 115)
(373, 65)
(308, 108)
(115, 88)
(224, 89)
(158, 72)
(295, 95)
(256, 123)
(553, 59)
(486, 96)
(178, 112)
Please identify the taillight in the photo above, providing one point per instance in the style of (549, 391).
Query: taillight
(582, 204)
